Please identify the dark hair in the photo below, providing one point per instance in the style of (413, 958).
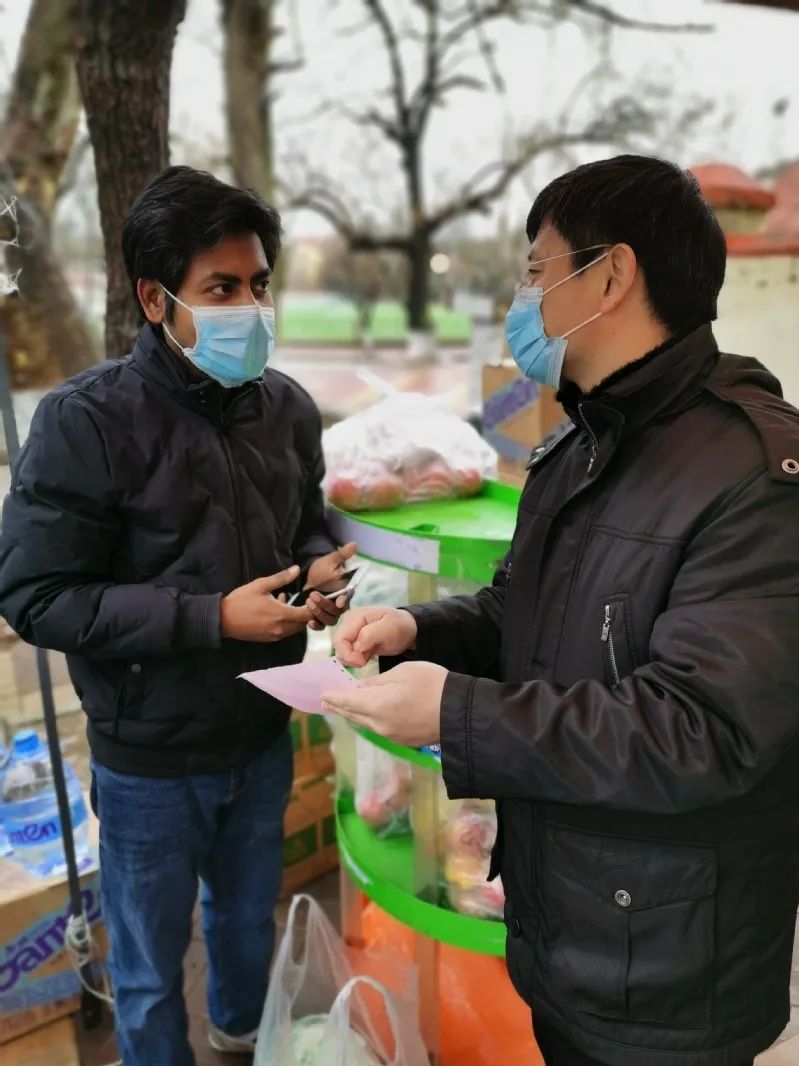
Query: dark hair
(184, 212)
(658, 210)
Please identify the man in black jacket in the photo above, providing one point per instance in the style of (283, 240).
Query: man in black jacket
(161, 509)
(628, 688)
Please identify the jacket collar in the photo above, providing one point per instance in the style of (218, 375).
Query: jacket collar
(661, 383)
(156, 362)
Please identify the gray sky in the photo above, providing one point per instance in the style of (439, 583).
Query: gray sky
(746, 65)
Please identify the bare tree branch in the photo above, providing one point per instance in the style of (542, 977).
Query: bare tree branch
(318, 195)
(371, 117)
(475, 196)
(476, 16)
(284, 66)
(623, 22)
(392, 45)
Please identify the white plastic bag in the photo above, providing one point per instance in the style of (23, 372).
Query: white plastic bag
(468, 836)
(315, 1015)
(404, 448)
(383, 786)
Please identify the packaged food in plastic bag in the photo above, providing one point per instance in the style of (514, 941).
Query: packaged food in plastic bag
(310, 1036)
(468, 836)
(404, 448)
(382, 789)
(319, 1012)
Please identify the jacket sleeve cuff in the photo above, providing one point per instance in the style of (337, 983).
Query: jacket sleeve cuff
(424, 649)
(456, 736)
(200, 621)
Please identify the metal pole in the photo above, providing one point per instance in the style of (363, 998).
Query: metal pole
(91, 1007)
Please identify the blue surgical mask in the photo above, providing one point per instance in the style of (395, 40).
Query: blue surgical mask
(538, 356)
(233, 344)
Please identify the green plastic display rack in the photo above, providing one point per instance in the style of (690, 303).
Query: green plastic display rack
(462, 539)
(411, 755)
(383, 870)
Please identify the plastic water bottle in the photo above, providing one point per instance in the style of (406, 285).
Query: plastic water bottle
(30, 809)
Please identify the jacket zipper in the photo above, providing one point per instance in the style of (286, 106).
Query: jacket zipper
(245, 568)
(610, 650)
(594, 441)
(244, 554)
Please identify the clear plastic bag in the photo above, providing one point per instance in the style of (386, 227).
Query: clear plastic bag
(319, 1012)
(404, 448)
(383, 786)
(468, 836)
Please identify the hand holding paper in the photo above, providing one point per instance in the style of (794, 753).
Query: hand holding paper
(403, 704)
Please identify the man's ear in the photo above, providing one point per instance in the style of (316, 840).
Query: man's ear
(622, 267)
(153, 300)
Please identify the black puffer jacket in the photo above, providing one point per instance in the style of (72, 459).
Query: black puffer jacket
(138, 501)
(628, 690)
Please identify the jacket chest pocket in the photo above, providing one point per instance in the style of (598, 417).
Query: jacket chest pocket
(616, 638)
(627, 929)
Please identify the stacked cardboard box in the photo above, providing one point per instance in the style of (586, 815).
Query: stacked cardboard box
(37, 982)
(309, 850)
(52, 1045)
(517, 415)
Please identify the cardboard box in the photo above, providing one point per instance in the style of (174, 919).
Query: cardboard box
(309, 848)
(517, 415)
(310, 737)
(37, 982)
(52, 1045)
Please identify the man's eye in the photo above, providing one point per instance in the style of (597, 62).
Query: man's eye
(224, 288)
(261, 286)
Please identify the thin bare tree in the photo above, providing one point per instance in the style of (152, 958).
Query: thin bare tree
(437, 39)
(252, 65)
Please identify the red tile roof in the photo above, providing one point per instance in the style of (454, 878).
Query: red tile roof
(724, 185)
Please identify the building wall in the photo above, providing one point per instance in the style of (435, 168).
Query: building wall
(759, 315)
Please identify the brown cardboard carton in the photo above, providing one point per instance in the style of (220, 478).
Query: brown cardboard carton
(517, 415)
(52, 1045)
(37, 982)
(309, 848)
(310, 738)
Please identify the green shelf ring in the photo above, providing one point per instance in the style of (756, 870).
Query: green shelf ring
(448, 927)
(469, 536)
(411, 755)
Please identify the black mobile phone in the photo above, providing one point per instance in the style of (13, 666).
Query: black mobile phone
(345, 585)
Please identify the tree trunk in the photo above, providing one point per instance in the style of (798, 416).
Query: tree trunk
(249, 39)
(418, 252)
(124, 59)
(418, 282)
(47, 338)
(249, 35)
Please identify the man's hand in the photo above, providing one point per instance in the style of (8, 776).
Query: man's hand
(323, 572)
(252, 612)
(403, 704)
(371, 631)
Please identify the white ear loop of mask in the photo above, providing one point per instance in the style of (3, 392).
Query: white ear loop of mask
(574, 274)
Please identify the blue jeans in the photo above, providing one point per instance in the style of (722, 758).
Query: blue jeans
(158, 835)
